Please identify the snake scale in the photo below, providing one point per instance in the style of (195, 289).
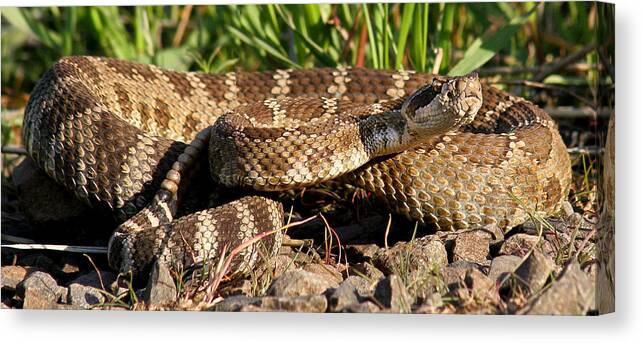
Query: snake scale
(124, 137)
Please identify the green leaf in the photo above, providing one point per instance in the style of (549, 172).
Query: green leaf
(173, 58)
(484, 48)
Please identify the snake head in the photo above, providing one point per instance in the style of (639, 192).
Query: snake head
(443, 105)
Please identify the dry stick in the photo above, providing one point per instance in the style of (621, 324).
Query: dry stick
(15, 150)
(16, 239)
(579, 67)
(555, 67)
(100, 277)
(574, 112)
(180, 31)
(57, 247)
(540, 85)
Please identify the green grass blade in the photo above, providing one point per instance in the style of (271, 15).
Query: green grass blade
(404, 29)
(483, 49)
(372, 39)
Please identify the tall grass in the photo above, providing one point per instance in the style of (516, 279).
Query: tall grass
(253, 37)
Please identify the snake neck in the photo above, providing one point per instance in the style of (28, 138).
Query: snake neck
(384, 134)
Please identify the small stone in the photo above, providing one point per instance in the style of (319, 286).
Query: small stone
(497, 234)
(502, 265)
(40, 291)
(571, 294)
(237, 287)
(12, 276)
(472, 246)
(453, 275)
(363, 252)
(236, 302)
(69, 265)
(392, 293)
(161, 288)
(342, 297)
(92, 279)
(520, 244)
(425, 253)
(368, 271)
(535, 271)
(364, 307)
(324, 270)
(361, 285)
(300, 282)
(567, 209)
(306, 303)
(282, 263)
(480, 285)
(84, 297)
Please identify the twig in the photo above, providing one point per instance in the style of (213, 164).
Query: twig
(16, 239)
(540, 85)
(555, 67)
(588, 150)
(57, 247)
(504, 70)
(100, 277)
(15, 150)
(577, 112)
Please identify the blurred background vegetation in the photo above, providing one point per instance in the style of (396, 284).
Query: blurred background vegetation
(460, 37)
(547, 52)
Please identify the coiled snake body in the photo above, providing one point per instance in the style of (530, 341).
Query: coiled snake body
(121, 135)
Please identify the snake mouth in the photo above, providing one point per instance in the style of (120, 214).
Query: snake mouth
(443, 105)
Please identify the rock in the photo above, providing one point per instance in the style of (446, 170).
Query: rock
(496, 234)
(364, 307)
(520, 244)
(236, 302)
(501, 265)
(92, 279)
(342, 297)
(480, 285)
(237, 287)
(361, 285)
(535, 271)
(472, 246)
(41, 198)
(422, 254)
(363, 252)
(84, 297)
(300, 282)
(571, 294)
(431, 304)
(70, 264)
(40, 291)
(368, 271)
(324, 270)
(307, 303)
(282, 263)
(12, 276)
(453, 275)
(161, 288)
(392, 293)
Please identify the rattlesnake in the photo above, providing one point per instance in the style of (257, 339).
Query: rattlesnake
(116, 134)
